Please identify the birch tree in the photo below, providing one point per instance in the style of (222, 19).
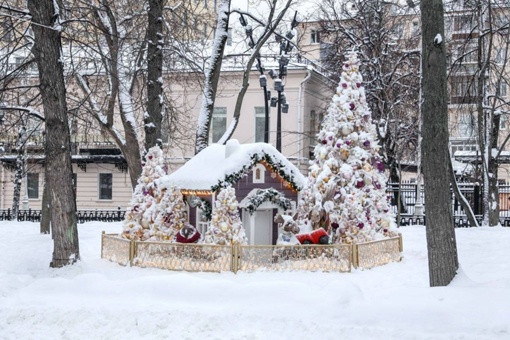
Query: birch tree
(441, 244)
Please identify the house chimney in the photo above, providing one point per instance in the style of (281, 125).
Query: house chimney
(231, 147)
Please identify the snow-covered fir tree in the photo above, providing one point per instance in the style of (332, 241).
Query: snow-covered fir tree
(171, 215)
(226, 227)
(346, 188)
(143, 208)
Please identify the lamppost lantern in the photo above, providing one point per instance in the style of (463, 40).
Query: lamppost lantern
(274, 101)
(268, 94)
(290, 34)
(272, 74)
(263, 81)
(283, 98)
(278, 85)
(248, 29)
(285, 108)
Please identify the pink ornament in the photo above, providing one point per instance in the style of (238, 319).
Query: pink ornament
(366, 143)
(338, 145)
(344, 85)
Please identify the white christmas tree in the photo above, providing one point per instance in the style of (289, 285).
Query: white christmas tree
(346, 179)
(171, 215)
(226, 227)
(142, 210)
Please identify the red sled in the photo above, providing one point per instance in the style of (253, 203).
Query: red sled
(319, 236)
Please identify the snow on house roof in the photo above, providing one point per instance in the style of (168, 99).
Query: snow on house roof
(213, 166)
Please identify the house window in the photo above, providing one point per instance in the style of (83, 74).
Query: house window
(33, 185)
(105, 186)
(314, 37)
(219, 123)
(416, 28)
(502, 88)
(258, 173)
(260, 120)
(500, 55)
(466, 125)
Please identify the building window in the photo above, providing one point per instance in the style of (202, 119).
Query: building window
(500, 55)
(105, 186)
(219, 123)
(416, 28)
(502, 88)
(258, 174)
(466, 125)
(463, 23)
(314, 37)
(33, 185)
(260, 120)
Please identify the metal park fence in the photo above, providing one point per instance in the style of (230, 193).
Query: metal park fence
(34, 215)
(215, 258)
(403, 198)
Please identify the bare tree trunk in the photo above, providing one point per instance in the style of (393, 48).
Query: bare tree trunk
(441, 244)
(58, 170)
(212, 76)
(45, 211)
(152, 121)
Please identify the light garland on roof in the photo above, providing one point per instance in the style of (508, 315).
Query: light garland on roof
(196, 192)
(275, 166)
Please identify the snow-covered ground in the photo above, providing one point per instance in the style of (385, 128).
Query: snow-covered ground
(96, 299)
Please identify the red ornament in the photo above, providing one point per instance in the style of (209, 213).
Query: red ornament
(358, 85)
(150, 157)
(361, 225)
(360, 184)
(344, 85)
(352, 106)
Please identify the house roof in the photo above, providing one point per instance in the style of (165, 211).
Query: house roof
(218, 165)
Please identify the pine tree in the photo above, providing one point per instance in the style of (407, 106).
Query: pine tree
(226, 227)
(347, 180)
(142, 210)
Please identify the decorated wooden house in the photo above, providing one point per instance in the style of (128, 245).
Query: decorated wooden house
(266, 183)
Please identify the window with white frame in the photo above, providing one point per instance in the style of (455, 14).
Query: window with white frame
(259, 172)
(219, 123)
(466, 125)
(260, 121)
(314, 36)
(105, 186)
(502, 88)
(33, 185)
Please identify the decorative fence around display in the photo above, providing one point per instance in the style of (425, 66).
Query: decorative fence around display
(215, 258)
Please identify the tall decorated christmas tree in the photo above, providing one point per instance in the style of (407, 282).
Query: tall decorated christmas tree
(347, 182)
(143, 208)
(226, 227)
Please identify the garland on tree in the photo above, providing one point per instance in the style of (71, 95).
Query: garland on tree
(270, 194)
(275, 165)
(346, 184)
(226, 227)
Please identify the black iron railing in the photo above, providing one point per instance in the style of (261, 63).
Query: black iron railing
(34, 215)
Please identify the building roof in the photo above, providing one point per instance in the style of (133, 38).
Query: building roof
(219, 165)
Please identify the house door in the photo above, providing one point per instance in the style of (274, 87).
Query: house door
(263, 227)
